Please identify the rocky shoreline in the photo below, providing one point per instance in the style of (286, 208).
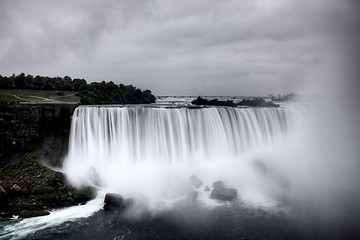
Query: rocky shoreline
(29, 189)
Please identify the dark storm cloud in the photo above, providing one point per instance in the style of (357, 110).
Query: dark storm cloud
(174, 47)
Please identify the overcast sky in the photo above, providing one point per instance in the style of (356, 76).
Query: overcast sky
(184, 47)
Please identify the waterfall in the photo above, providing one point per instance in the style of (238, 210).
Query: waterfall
(124, 143)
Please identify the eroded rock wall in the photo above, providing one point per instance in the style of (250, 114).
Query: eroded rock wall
(23, 126)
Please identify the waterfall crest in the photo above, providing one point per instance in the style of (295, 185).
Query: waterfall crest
(175, 134)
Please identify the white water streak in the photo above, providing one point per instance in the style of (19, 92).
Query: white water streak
(136, 134)
(148, 148)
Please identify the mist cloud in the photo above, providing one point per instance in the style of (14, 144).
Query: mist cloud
(178, 47)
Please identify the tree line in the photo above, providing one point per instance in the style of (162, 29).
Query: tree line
(256, 102)
(93, 93)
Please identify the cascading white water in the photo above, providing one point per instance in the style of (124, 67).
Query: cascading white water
(150, 150)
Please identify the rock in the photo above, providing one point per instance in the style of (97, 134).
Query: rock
(224, 194)
(220, 192)
(84, 194)
(3, 193)
(6, 215)
(26, 190)
(62, 188)
(195, 181)
(218, 184)
(56, 183)
(43, 189)
(15, 187)
(14, 190)
(33, 213)
(114, 201)
(207, 189)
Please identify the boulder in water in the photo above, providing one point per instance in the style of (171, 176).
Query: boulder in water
(195, 181)
(220, 192)
(218, 184)
(115, 201)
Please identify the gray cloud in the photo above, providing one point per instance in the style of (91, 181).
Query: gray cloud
(175, 47)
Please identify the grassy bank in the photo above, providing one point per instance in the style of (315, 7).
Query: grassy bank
(38, 96)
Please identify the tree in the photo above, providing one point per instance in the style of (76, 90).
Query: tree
(20, 81)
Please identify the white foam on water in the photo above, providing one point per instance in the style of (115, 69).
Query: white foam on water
(30, 225)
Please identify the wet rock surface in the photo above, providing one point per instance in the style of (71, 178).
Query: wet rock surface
(195, 181)
(220, 192)
(114, 201)
(26, 185)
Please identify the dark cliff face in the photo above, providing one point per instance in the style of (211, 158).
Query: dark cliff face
(24, 126)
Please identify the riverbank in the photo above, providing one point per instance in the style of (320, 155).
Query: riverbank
(27, 188)
(33, 136)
